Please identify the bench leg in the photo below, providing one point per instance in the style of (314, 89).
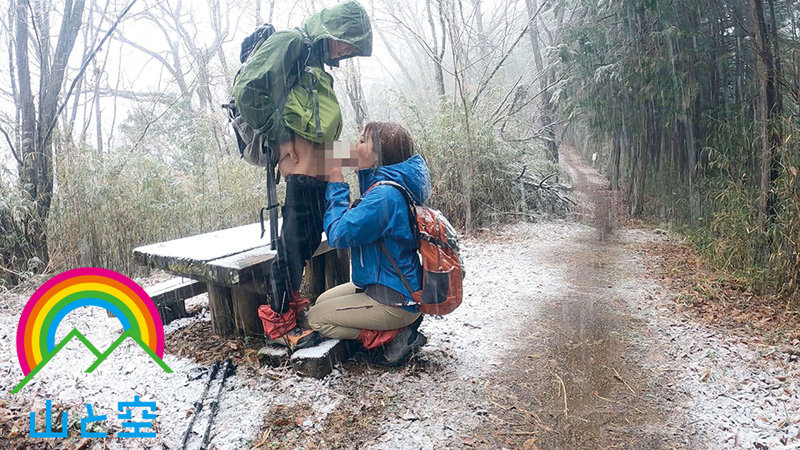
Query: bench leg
(221, 305)
(172, 310)
(315, 277)
(245, 312)
(337, 268)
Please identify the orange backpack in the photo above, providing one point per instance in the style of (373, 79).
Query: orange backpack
(442, 267)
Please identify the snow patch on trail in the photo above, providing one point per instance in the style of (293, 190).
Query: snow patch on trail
(738, 392)
(505, 284)
(504, 280)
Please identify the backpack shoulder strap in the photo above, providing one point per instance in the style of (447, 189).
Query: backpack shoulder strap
(307, 44)
(407, 195)
(412, 211)
(304, 67)
(396, 267)
(413, 223)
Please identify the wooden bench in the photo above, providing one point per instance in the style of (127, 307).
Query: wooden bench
(170, 296)
(234, 264)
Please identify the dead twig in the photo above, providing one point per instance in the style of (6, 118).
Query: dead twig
(564, 389)
(619, 378)
(618, 403)
(504, 408)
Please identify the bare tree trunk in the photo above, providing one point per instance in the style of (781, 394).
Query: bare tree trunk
(766, 100)
(438, 53)
(25, 102)
(460, 65)
(271, 10)
(36, 170)
(548, 113)
(113, 125)
(355, 92)
(220, 23)
(97, 117)
(11, 71)
(636, 194)
(614, 163)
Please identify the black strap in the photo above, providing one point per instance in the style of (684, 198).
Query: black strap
(413, 223)
(412, 211)
(396, 267)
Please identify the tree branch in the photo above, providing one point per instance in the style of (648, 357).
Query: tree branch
(83, 69)
(11, 146)
(502, 61)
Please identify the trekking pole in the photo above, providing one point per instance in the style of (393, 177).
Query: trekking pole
(198, 405)
(272, 200)
(214, 406)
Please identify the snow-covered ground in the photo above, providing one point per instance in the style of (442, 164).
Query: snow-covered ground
(699, 386)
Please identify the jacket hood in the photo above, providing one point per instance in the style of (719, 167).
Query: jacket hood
(346, 22)
(412, 174)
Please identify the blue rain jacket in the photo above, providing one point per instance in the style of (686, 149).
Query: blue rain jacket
(382, 214)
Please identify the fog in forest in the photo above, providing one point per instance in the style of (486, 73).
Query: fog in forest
(623, 175)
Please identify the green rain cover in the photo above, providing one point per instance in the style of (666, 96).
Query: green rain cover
(263, 79)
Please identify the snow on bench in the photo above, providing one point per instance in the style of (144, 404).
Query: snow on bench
(235, 265)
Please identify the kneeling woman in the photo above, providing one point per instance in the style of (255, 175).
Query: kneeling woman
(376, 307)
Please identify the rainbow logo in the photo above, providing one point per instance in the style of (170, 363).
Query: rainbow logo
(88, 286)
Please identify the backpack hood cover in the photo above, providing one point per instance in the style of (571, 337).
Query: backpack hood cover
(346, 22)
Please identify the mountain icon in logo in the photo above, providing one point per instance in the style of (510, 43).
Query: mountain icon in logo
(100, 356)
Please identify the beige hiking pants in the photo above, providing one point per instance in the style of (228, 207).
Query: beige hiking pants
(341, 313)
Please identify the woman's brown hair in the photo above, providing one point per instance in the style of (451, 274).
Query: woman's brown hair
(390, 141)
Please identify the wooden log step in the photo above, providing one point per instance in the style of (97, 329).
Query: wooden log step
(318, 361)
(273, 356)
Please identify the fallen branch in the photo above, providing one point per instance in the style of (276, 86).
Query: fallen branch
(619, 377)
(564, 389)
(618, 403)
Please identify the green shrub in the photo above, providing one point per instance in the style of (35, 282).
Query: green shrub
(762, 253)
(106, 205)
(18, 259)
(493, 164)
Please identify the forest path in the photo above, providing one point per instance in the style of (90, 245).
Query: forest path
(588, 372)
(566, 340)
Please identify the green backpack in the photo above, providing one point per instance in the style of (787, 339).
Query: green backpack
(303, 103)
(282, 88)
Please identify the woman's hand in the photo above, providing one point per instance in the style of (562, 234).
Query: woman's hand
(335, 175)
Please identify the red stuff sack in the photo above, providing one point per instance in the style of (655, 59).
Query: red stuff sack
(276, 325)
(442, 267)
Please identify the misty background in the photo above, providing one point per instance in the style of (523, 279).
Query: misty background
(112, 135)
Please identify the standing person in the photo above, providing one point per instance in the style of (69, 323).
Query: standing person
(376, 307)
(307, 119)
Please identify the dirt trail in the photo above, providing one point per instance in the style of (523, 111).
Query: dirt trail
(564, 340)
(587, 382)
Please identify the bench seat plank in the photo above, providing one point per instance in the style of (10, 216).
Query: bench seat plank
(169, 296)
(178, 253)
(181, 288)
(240, 268)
